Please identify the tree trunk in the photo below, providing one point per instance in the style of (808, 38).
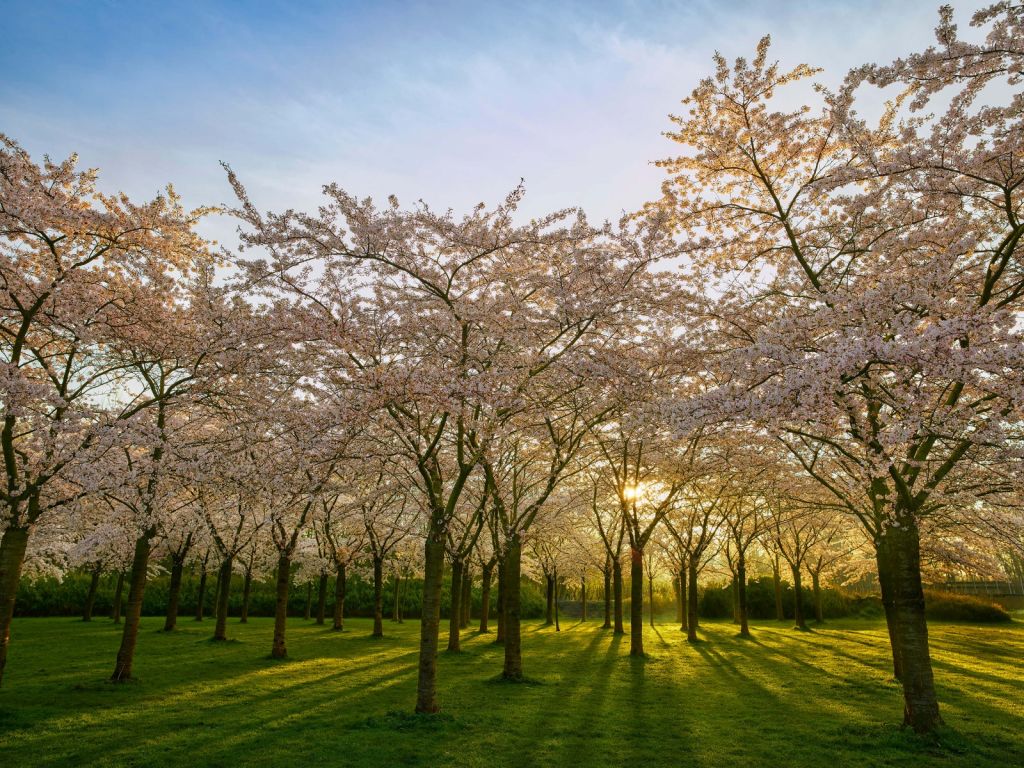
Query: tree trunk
(284, 567)
(617, 589)
(921, 706)
(246, 594)
(455, 609)
(798, 599)
(433, 573)
(583, 598)
(339, 599)
(676, 582)
(819, 616)
(636, 608)
(886, 574)
(90, 597)
(735, 599)
(554, 581)
(607, 595)
(549, 612)
(780, 615)
(650, 600)
(513, 667)
(115, 611)
(692, 623)
(499, 638)
(220, 631)
(201, 596)
(741, 594)
(467, 597)
(133, 612)
(682, 598)
(485, 594)
(12, 558)
(174, 595)
(321, 599)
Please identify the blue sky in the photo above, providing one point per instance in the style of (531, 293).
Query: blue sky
(449, 102)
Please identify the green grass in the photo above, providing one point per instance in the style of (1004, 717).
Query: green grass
(784, 698)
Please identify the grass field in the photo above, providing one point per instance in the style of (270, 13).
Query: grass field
(783, 699)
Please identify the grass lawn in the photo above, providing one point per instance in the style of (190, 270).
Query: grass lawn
(783, 699)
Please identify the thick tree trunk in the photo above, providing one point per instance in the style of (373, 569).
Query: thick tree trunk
(636, 608)
(798, 599)
(549, 611)
(174, 595)
(583, 598)
(339, 599)
(284, 567)
(780, 614)
(819, 616)
(321, 599)
(466, 603)
(201, 595)
(499, 637)
(133, 612)
(607, 595)
(455, 610)
(12, 558)
(246, 594)
(220, 631)
(485, 595)
(115, 611)
(692, 623)
(886, 574)
(741, 595)
(90, 596)
(617, 590)
(378, 596)
(433, 573)
(921, 706)
(513, 667)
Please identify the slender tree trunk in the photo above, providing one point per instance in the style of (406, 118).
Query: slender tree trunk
(678, 595)
(455, 610)
(115, 611)
(90, 597)
(12, 557)
(339, 599)
(683, 605)
(735, 599)
(886, 575)
(554, 581)
(284, 567)
(321, 599)
(741, 594)
(819, 616)
(650, 600)
(433, 573)
(499, 638)
(307, 614)
(636, 608)
(921, 706)
(485, 595)
(607, 595)
(549, 613)
(246, 594)
(133, 612)
(692, 623)
(466, 603)
(220, 631)
(201, 596)
(583, 598)
(378, 596)
(174, 595)
(617, 589)
(780, 614)
(798, 599)
(513, 668)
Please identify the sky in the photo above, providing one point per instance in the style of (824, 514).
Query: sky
(448, 102)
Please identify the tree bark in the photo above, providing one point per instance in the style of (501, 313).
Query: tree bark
(636, 608)
(220, 631)
(201, 596)
(455, 609)
(12, 558)
(90, 597)
(133, 612)
(607, 595)
(798, 599)
(284, 566)
(735, 600)
(554, 581)
(115, 611)
(174, 595)
(378, 596)
(321, 599)
(780, 614)
(886, 572)
(549, 612)
(741, 595)
(617, 589)
(513, 667)
(485, 595)
(692, 623)
(339, 599)
(499, 638)
(246, 594)
(433, 570)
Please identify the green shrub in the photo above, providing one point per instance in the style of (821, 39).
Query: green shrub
(947, 606)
